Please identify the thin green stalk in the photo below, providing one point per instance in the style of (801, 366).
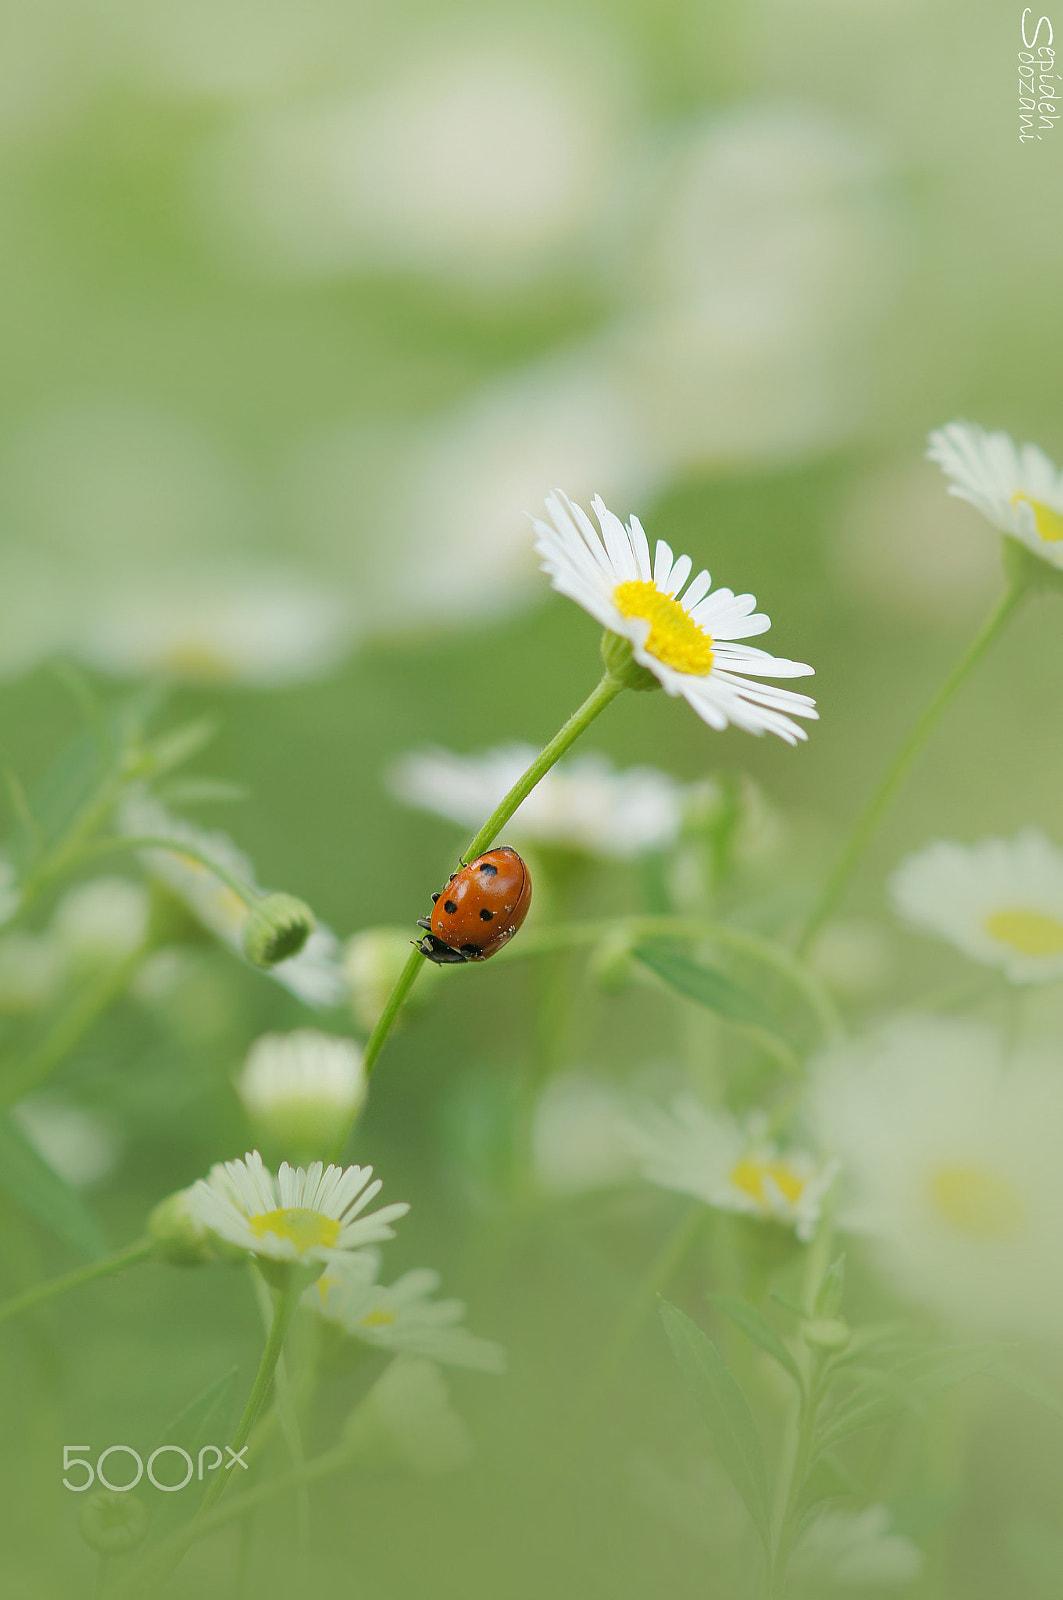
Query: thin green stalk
(595, 703)
(789, 966)
(859, 838)
(42, 1292)
(67, 1030)
(652, 1283)
(284, 1308)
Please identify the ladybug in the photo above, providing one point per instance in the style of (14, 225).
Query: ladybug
(480, 909)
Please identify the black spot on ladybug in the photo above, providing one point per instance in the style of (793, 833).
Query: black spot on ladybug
(485, 915)
(489, 868)
(449, 906)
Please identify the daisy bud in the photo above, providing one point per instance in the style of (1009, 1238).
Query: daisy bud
(302, 1090)
(112, 1522)
(372, 962)
(276, 927)
(829, 1335)
(178, 1236)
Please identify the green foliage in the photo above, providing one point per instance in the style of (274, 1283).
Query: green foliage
(33, 1186)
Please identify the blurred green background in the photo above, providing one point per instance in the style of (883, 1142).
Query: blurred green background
(335, 293)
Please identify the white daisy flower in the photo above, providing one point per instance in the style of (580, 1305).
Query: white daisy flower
(407, 1418)
(688, 644)
(302, 1089)
(951, 1162)
(581, 804)
(1000, 901)
(1016, 487)
(401, 1317)
(315, 975)
(102, 922)
(302, 1214)
(711, 1156)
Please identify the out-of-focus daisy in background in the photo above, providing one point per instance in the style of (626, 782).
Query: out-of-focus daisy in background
(583, 804)
(307, 1214)
(580, 1136)
(315, 975)
(950, 1157)
(302, 1090)
(1016, 486)
(1000, 901)
(731, 1167)
(402, 1317)
(688, 644)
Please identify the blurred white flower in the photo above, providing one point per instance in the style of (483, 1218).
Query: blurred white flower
(80, 1145)
(479, 164)
(33, 967)
(314, 975)
(1000, 901)
(102, 922)
(301, 1090)
(579, 1136)
(689, 644)
(583, 803)
(732, 1168)
(1016, 487)
(402, 1317)
(372, 962)
(854, 1549)
(303, 1214)
(950, 1156)
(407, 1416)
(217, 624)
(853, 955)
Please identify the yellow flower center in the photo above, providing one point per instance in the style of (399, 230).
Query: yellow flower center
(198, 660)
(1049, 523)
(1032, 933)
(749, 1176)
(306, 1229)
(675, 638)
(976, 1202)
(379, 1319)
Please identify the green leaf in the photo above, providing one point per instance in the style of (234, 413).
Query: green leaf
(828, 1298)
(755, 1325)
(828, 1479)
(178, 745)
(725, 1412)
(790, 1305)
(31, 1183)
(707, 985)
(192, 1424)
(905, 1387)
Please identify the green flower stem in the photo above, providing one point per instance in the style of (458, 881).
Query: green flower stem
(69, 1028)
(285, 1303)
(142, 1250)
(595, 703)
(123, 842)
(653, 1282)
(754, 945)
(858, 840)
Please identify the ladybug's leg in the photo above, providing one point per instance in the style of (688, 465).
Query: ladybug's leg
(423, 922)
(437, 951)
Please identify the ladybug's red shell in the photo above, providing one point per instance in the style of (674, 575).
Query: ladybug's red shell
(480, 909)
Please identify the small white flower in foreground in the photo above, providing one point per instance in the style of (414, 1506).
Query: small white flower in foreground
(581, 804)
(401, 1317)
(1000, 901)
(688, 644)
(314, 975)
(102, 922)
(709, 1155)
(302, 1089)
(1017, 488)
(950, 1158)
(302, 1214)
(853, 1549)
(407, 1417)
